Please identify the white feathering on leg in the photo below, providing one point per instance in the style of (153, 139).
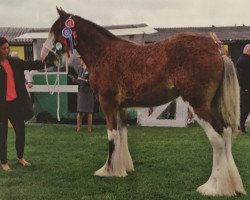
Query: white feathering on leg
(235, 175)
(116, 167)
(127, 160)
(224, 176)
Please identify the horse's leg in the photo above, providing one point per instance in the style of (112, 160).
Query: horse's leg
(114, 165)
(122, 127)
(225, 178)
(227, 135)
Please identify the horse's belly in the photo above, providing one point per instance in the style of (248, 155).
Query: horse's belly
(151, 98)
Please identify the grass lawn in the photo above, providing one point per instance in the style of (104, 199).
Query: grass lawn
(170, 163)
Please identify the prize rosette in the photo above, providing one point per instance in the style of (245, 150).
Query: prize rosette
(70, 23)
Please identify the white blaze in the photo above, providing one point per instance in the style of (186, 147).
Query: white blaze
(47, 47)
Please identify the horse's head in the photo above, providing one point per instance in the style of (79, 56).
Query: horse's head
(62, 38)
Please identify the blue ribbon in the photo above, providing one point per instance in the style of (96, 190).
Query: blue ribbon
(67, 33)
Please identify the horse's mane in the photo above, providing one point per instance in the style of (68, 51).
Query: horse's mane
(99, 28)
(87, 25)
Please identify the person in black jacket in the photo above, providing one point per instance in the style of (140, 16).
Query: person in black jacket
(243, 70)
(15, 104)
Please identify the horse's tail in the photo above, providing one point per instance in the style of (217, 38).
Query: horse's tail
(229, 101)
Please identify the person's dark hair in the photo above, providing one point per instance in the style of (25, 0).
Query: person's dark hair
(3, 40)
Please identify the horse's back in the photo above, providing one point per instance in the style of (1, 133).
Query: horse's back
(195, 66)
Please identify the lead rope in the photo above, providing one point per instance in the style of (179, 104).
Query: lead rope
(52, 91)
(58, 92)
(57, 81)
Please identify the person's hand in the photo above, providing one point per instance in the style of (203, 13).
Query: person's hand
(49, 62)
(74, 80)
(80, 78)
(29, 84)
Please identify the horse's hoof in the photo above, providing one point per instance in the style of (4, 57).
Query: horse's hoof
(211, 190)
(130, 168)
(104, 171)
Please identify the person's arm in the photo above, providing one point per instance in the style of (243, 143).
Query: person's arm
(81, 76)
(33, 65)
(73, 79)
(240, 67)
(82, 79)
(243, 72)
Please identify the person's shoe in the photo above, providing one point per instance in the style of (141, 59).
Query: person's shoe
(6, 167)
(23, 162)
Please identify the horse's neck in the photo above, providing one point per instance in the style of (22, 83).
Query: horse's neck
(90, 50)
(92, 43)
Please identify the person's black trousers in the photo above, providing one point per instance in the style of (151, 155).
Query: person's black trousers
(14, 113)
(244, 108)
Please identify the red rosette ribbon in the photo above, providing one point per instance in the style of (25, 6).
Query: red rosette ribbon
(70, 23)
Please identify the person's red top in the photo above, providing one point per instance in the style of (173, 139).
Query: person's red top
(11, 89)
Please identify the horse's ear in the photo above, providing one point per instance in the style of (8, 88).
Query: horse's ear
(61, 12)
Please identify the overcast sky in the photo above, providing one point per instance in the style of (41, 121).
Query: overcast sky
(155, 13)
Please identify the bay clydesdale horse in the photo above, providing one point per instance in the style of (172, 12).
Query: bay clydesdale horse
(124, 74)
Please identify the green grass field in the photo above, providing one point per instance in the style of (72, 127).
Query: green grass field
(170, 163)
